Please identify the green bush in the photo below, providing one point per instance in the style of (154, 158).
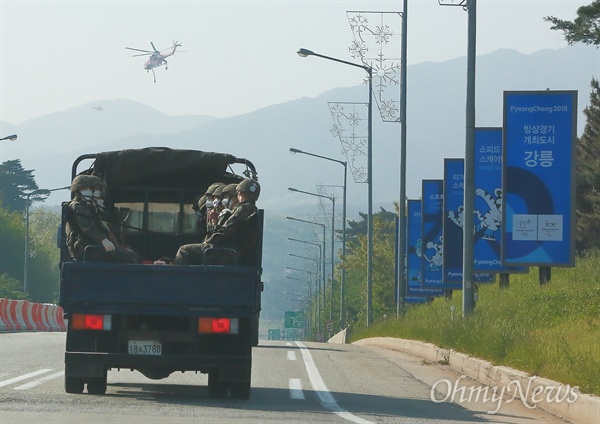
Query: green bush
(552, 330)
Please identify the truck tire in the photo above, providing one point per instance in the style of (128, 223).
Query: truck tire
(74, 385)
(96, 385)
(216, 388)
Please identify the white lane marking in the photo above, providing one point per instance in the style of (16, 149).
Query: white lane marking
(37, 382)
(325, 396)
(288, 344)
(291, 355)
(24, 377)
(296, 389)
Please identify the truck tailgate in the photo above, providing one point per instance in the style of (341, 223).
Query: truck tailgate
(109, 287)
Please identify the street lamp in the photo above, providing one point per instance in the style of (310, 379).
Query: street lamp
(12, 137)
(321, 302)
(318, 291)
(27, 197)
(343, 270)
(314, 244)
(309, 297)
(468, 291)
(369, 70)
(332, 198)
(324, 244)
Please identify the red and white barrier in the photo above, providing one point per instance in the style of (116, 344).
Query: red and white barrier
(30, 316)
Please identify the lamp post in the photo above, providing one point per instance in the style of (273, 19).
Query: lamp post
(27, 198)
(311, 243)
(11, 137)
(318, 289)
(369, 70)
(332, 242)
(321, 299)
(324, 246)
(308, 322)
(343, 270)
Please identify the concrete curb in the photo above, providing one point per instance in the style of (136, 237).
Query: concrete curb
(558, 399)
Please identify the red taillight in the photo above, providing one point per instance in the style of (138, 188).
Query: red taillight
(208, 325)
(94, 322)
(221, 325)
(90, 322)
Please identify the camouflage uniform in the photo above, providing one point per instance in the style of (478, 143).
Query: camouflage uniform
(232, 234)
(86, 225)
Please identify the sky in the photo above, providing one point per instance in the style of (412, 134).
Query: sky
(237, 56)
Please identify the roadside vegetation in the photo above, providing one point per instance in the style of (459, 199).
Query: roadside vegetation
(551, 331)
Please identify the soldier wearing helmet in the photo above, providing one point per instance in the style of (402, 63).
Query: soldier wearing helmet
(229, 202)
(233, 233)
(213, 200)
(87, 224)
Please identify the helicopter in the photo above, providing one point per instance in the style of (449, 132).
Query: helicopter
(157, 57)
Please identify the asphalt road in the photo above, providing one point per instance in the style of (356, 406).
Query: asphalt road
(292, 382)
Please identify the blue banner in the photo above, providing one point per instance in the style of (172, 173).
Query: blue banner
(432, 245)
(414, 250)
(539, 178)
(488, 203)
(454, 193)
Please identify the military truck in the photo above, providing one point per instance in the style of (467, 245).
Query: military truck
(153, 316)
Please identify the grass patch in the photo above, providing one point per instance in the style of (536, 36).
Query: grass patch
(552, 331)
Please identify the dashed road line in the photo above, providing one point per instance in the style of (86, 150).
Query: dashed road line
(39, 381)
(296, 389)
(323, 393)
(291, 355)
(24, 377)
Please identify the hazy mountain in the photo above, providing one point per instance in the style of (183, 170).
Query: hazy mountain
(435, 128)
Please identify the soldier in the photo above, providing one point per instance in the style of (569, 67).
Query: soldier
(199, 207)
(87, 224)
(212, 217)
(230, 201)
(232, 233)
(210, 205)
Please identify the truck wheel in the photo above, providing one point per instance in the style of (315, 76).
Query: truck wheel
(96, 386)
(216, 388)
(74, 385)
(240, 390)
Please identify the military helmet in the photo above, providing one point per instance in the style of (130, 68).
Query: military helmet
(82, 181)
(230, 189)
(250, 187)
(201, 204)
(211, 188)
(218, 191)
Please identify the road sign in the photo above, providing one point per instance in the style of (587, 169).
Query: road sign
(294, 319)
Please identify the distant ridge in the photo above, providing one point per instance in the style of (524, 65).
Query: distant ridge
(435, 128)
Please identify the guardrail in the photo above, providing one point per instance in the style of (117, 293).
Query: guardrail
(22, 315)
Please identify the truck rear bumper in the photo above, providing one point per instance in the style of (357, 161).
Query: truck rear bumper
(96, 363)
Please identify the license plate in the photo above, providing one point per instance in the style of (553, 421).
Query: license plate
(144, 347)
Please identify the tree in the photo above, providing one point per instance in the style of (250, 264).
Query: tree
(585, 28)
(12, 243)
(43, 276)
(384, 252)
(11, 288)
(588, 175)
(356, 228)
(18, 185)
